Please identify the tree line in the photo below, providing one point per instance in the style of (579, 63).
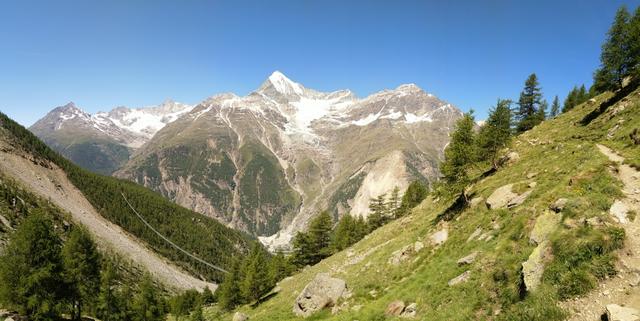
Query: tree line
(252, 277)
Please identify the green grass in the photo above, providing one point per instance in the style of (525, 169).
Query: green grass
(563, 154)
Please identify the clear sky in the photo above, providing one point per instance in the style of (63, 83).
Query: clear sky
(102, 54)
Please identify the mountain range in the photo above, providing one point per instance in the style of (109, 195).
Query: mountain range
(266, 162)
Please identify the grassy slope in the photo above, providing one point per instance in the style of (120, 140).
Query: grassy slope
(562, 152)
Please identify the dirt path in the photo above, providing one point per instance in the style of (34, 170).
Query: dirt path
(52, 184)
(623, 289)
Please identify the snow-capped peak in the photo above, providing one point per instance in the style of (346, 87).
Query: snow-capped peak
(282, 84)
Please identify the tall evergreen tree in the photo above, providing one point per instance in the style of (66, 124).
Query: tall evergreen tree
(302, 250)
(615, 56)
(346, 233)
(459, 155)
(30, 269)
(571, 100)
(81, 263)
(108, 307)
(147, 303)
(229, 295)
(393, 204)
(528, 113)
(634, 44)
(255, 283)
(416, 192)
(320, 233)
(377, 212)
(555, 107)
(279, 268)
(496, 133)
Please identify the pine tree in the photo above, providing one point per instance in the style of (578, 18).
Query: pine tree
(615, 56)
(320, 230)
(541, 113)
(196, 315)
(107, 307)
(571, 99)
(393, 205)
(81, 263)
(207, 296)
(302, 250)
(496, 133)
(345, 233)
(147, 303)
(255, 283)
(528, 114)
(459, 155)
(634, 44)
(279, 268)
(555, 107)
(30, 269)
(377, 212)
(229, 292)
(414, 195)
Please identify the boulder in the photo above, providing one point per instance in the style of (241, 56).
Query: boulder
(533, 268)
(520, 198)
(401, 255)
(510, 158)
(619, 211)
(475, 234)
(239, 316)
(618, 313)
(475, 201)
(545, 225)
(464, 277)
(410, 311)
(501, 197)
(468, 259)
(439, 237)
(394, 308)
(418, 246)
(323, 291)
(559, 205)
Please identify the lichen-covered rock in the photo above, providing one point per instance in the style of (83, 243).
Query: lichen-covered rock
(464, 277)
(468, 259)
(401, 255)
(619, 210)
(323, 291)
(519, 199)
(394, 308)
(501, 197)
(533, 268)
(618, 313)
(559, 205)
(439, 237)
(410, 311)
(239, 316)
(545, 225)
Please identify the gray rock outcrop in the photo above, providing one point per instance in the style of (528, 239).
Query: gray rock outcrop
(618, 313)
(323, 291)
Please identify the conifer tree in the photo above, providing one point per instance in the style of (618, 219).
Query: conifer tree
(147, 303)
(555, 107)
(393, 204)
(496, 133)
(459, 155)
(229, 292)
(108, 306)
(279, 268)
(345, 233)
(571, 99)
(31, 268)
(414, 195)
(320, 230)
(615, 58)
(528, 113)
(377, 212)
(81, 263)
(196, 315)
(302, 250)
(256, 279)
(634, 44)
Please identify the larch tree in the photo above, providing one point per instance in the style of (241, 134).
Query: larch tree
(459, 155)
(528, 112)
(496, 132)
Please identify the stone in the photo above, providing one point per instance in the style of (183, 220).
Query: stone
(532, 175)
(501, 197)
(394, 308)
(510, 158)
(518, 199)
(533, 184)
(475, 201)
(464, 277)
(475, 234)
(595, 221)
(239, 316)
(439, 237)
(410, 311)
(323, 291)
(468, 259)
(545, 225)
(618, 313)
(533, 268)
(559, 205)
(401, 255)
(619, 211)
(418, 246)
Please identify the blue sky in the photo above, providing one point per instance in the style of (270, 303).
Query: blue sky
(102, 54)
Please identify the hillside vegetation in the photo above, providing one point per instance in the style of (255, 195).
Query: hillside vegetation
(197, 234)
(557, 159)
